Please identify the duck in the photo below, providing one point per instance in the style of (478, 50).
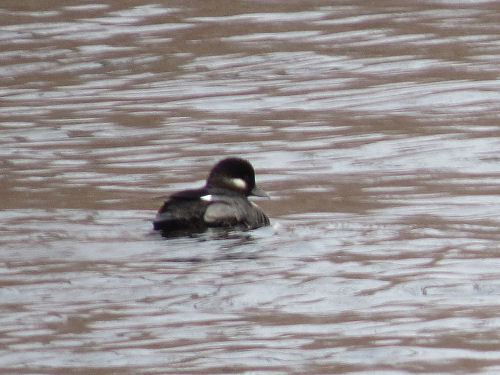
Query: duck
(222, 203)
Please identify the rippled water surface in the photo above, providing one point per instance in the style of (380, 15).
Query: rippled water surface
(374, 126)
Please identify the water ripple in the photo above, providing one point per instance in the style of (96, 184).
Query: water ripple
(373, 127)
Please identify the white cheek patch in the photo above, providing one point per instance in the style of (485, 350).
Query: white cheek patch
(239, 183)
(207, 198)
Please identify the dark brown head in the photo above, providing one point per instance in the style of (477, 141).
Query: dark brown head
(235, 174)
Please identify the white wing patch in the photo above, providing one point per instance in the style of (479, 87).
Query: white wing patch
(207, 198)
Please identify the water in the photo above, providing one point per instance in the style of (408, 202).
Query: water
(373, 126)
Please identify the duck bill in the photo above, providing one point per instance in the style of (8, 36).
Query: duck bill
(259, 192)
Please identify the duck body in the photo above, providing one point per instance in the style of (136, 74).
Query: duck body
(221, 203)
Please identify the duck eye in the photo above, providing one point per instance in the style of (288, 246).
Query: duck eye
(239, 183)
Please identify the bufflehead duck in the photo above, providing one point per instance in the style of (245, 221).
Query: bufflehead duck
(222, 202)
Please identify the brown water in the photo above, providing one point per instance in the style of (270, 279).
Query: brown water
(373, 125)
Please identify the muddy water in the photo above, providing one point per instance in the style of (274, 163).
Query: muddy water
(374, 126)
